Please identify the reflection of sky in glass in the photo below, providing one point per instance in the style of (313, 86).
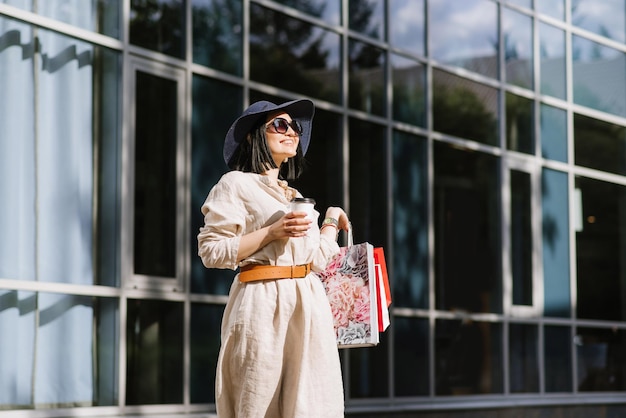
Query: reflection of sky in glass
(462, 32)
(406, 29)
(606, 17)
(518, 43)
(523, 3)
(552, 8)
(552, 56)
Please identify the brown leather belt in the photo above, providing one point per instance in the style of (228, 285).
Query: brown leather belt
(254, 272)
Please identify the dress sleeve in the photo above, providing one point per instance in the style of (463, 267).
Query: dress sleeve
(224, 223)
(327, 250)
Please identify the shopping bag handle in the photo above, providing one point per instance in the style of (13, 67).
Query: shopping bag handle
(349, 233)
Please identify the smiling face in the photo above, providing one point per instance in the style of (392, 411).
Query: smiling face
(281, 145)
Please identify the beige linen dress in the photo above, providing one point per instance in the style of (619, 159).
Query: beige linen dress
(278, 355)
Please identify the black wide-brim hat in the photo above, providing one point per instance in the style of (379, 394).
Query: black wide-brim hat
(301, 110)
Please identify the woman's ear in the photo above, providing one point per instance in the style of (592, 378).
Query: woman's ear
(249, 138)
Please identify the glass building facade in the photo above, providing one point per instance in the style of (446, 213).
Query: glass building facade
(481, 142)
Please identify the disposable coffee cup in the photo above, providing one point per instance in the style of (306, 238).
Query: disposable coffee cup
(303, 204)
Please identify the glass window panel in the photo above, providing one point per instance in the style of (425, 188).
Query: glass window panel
(366, 68)
(521, 238)
(601, 358)
(154, 352)
(601, 250)
(94, 15)
(327, 10)
(553, 133)
(368, 182)
(467, 230)
(204, 342)
(218, 34)
(48, 186)
(155, 175)
(406, 30)
(599, 76)
(552, 60)
(523, 3)
(517, 32)
(520, 124)
(555, 233)
(468, 357)
(558, 358)
(367, 17)
(523, 358)
(369, 371)
(464, 34)
(410, 221)
(294, 55)
(600, 145)
(605, 18)
(159, 25)
(411, 356)
(464, 108)
(552, 8)
(210, 121)
(409, 90)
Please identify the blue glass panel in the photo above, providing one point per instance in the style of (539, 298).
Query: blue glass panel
(406, 30)
(367, 17)
(552, 60)
(605, 18)
(410, 220)
(555, 227)
(464, 34)
(366, 68)
(517, 31)
(553, 133)
(552, 8)
(599, 76)
(522, 3)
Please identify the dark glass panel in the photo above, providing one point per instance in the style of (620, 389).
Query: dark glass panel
(553, 133)
(409, 91)
(155, 175)
(204, 341)
(523, 358)
(517, 35)
(209, 123)
(217, 34)
(604, 18)
(558, 358)
(411, 369)
(467, 230)
(327, 10)
(407, 25)
(599, 76)
(366, 72)
(464, 108)
(294, 55)
(159, 25)
(599, 145)
(601, 359)
(368, 182)
(410, 221)
(464, 34)
(601, 250)
(367, 17)
(369, 370)
(552, 60)
(556, 245)
(521, 238)
(520, 125)
(154, 352)
(468, 357)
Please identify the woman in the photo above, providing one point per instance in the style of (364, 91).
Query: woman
(278, 356)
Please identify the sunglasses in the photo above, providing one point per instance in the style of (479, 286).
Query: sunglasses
(281, 126)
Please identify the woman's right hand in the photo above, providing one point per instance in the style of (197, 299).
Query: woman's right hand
(291, 225)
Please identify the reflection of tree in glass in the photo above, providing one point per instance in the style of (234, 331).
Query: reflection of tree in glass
(360, 13)
(217, 40)
(158, 25)
(284, 50)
